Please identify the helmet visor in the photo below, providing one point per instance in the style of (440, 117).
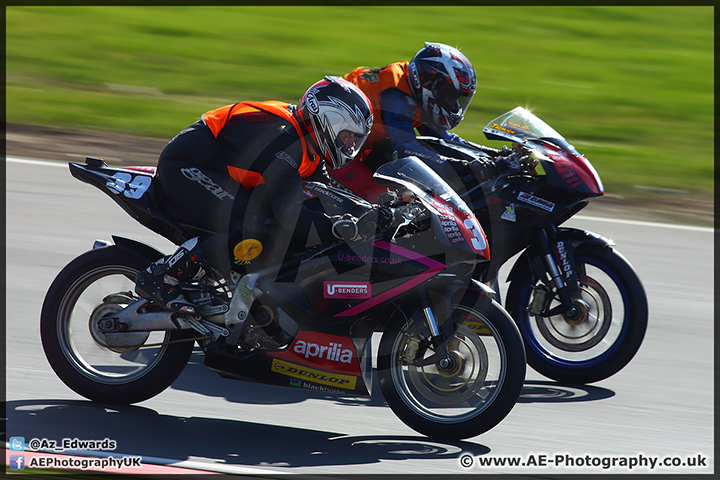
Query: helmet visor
(350, 143)
(452, 100)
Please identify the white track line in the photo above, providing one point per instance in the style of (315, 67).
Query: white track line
(32, 161)
(691, 228)
(645, 224)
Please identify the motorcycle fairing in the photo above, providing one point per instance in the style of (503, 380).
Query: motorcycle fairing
(299, 372)
(572, 170)
(433, 268)
(381, 267)
(461, 227)
(262, 367)
(134, 190)
(321, 350)
(563, 164)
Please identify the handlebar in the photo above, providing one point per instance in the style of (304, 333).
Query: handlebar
(395, 198)
(398, 210)
(519, 159)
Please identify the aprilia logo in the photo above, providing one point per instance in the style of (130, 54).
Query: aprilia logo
(346, 290)
(333, 352)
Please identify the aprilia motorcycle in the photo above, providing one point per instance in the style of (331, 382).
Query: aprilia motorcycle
(451, 362)
(579, 304)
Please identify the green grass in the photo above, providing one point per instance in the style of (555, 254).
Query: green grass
(631, 87)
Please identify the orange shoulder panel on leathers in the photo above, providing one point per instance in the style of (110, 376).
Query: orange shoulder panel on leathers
(373, 82)
(216, 120)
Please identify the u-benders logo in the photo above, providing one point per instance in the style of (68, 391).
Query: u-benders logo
(346, 290)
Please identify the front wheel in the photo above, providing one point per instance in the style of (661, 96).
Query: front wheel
(90, 288)
(605, 337)
(473, 394)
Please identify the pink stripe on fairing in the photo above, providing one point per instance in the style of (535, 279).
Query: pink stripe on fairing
(434, 268)
(148, 170)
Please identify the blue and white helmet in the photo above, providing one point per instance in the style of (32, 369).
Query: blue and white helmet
(339, 118)
(443, 83)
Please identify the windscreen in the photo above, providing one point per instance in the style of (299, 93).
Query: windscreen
(414, 174)
(519, 125)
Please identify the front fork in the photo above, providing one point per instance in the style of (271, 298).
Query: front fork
(426, 324)
(564, 280)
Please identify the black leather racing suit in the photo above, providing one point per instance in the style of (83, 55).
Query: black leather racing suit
(193, 173)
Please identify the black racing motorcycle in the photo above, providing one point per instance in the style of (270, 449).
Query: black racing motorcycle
(451, 362)
(579, 304)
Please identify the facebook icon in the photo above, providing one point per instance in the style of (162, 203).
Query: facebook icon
(17, 462)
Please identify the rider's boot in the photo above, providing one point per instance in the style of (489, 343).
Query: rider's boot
(159, 282)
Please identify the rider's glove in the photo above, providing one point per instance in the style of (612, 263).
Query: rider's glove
(527, 160)
(514, 160)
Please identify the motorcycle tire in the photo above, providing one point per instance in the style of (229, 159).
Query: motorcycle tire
(608, 335)
(92, 286)
(470, 398)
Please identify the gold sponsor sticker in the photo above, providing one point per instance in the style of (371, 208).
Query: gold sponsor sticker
(323, 377)
(248, 250)
(477, 327)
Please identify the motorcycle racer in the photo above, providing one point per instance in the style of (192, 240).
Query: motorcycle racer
(431, 93)
(238, 171)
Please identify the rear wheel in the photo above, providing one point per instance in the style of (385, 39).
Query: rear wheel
(469, 396)
(89, 289)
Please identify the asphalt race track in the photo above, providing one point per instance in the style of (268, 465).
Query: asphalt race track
(658, 409)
